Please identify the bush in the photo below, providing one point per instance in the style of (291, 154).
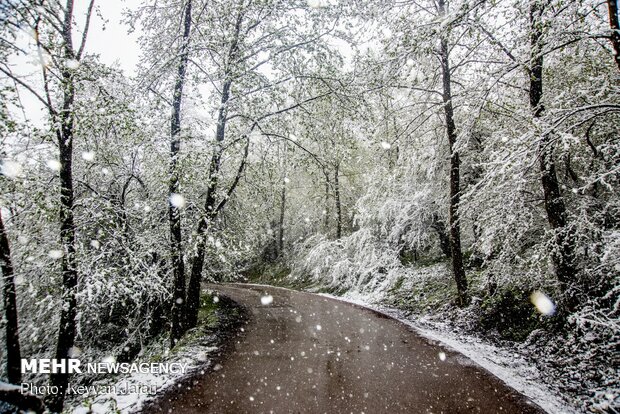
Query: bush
(510, 313)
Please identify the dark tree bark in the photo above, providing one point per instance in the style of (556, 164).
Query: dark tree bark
(211, 210)
(458, 269)
(562, 254)
(13, 353)
(174, 213)
(614, 24)
(193, 292)
(326, 215)
(444, 239)
(281, 220)
(67, 329)
(337, 201)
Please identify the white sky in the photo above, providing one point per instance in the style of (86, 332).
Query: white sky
(114, 44)
(108, 37)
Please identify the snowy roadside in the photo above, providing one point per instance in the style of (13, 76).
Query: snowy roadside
(196, 353)
(510, 367)
(130, 393)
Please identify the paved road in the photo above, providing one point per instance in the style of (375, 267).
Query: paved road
(304, 353)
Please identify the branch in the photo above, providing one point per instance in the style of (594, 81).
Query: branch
(29, 88)
(297, 144)
(235, 182)
(86, 26)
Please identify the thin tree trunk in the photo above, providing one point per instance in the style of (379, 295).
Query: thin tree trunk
(193, 293)
(338, 204)
(67, 329)
(193, 290)
(326, 215)
(562, 254)
(174, 213)
(281, 221)
(13, 354)
(458, 269)
(444, 240)
(614, 24)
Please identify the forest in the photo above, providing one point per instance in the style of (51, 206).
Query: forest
(455, 160)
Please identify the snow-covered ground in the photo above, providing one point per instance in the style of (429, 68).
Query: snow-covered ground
(141, 385)
(195, 354)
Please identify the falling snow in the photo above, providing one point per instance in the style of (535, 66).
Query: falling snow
(177, 201)
(88, 155)
(542, 303)
(53, 165)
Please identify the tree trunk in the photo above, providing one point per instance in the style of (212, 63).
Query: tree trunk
(281, 221)
(614, 24)
(326, 214)
(13, 354)
(444, 240)
(562, 254)
(458, 269)
(193, 290)
(67, 329)
(174, 213)
(338, 204)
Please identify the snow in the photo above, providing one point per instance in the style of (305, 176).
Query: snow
(88, 155)
(316, 4)
(72, 64)
(55, 254)
(109, 359)
(5, 386)
(53, 165)
(75, 352)
(194, 357)
(177, 200)
(266, 300)
(542, 303)
(11, 169)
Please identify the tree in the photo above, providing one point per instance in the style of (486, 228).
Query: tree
(48, 22)
(13, 353)
(614, 24)
(279, 30)
(174, 207)
(456, 253)
(562, 255)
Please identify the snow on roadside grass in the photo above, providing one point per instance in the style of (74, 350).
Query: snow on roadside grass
(196, 357)
(128, 393)
(509, 367)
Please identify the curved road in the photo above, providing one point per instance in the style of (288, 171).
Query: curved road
(305, 353)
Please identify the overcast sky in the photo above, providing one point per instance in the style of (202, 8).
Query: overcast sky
(113, 44)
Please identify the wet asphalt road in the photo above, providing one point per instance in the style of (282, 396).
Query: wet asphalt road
(305, 353)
